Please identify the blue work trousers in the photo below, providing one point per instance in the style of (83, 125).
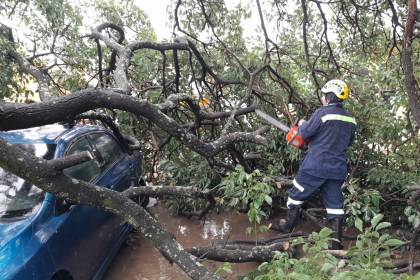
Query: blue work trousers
(305, 185)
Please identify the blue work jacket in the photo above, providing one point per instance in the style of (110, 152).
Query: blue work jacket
(329, 132)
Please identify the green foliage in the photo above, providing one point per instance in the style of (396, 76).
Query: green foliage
(368, 274)
(248, 190)
(224, 268)
(125, 14)
(319, 264)
(361, 203)
(188, 169)
(372, 248)
(280, 157)
(413, 216)
(6, 74)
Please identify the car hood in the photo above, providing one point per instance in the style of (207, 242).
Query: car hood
(12, 236)
(10, 230)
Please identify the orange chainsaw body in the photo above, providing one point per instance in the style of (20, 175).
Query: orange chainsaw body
(293, 138)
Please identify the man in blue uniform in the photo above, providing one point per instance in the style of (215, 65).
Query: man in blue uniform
(329, 132)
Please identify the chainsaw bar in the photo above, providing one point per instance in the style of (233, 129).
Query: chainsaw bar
(269, 119)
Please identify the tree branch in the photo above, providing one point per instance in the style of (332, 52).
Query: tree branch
(16, 116)
(26, 66)
(30, 168)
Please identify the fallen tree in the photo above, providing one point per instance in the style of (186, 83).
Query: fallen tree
(178, 112)
(44, 173)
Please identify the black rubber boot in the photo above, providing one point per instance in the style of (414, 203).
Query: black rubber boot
(336, 225)
(287, 226)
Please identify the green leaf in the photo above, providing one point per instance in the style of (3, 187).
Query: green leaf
(225, 268)
(394, 242)
(359, 244)
(325, 232)
(383, 238)
(383, 225)
(299, 276)
(268, 199)
(359, 224)
(327, 267)
(376, 220)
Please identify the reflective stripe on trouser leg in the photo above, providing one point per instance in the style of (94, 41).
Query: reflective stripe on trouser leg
(333, 198)
(298, 186)
(291, 201)
(335, 211)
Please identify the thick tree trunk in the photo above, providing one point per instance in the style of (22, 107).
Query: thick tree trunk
(16, 116)
(407, 63)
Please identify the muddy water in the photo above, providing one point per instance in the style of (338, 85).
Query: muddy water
(139, 260)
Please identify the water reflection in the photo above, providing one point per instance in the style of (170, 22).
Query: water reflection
(212, 230)
(141, 260)
(182, 230)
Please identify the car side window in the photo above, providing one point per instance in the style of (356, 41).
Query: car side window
(109, 149)
(85, 171)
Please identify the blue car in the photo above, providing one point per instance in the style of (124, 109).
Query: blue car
(45, 237)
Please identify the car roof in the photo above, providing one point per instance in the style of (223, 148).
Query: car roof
(42, 134)
(48, 134)
(68, 135)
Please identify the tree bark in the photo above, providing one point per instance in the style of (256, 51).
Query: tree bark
(407, 63)
(159, 191)
(16, 116)
(240, 255)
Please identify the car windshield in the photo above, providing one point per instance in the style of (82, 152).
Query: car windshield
(19, 198)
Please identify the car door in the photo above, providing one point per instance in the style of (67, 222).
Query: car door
(84, 234)
(118, 169)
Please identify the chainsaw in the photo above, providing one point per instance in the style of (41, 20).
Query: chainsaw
(292, 136)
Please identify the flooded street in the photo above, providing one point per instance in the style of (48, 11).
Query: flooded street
(139, 260)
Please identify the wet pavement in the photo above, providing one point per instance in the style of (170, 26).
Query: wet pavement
(139, 260)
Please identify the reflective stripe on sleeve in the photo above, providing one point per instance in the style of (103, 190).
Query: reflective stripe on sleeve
(298, 186)
(336, 117)
(294, 202)
(335, 211)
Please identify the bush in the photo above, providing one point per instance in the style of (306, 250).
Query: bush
(368, 259)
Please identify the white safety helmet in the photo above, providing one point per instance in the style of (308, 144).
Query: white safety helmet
(338, 87)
